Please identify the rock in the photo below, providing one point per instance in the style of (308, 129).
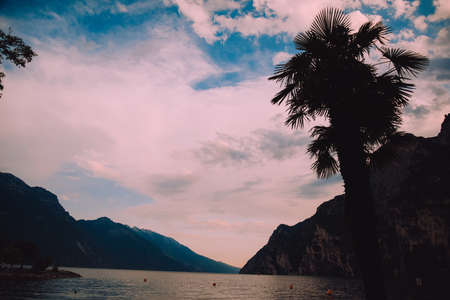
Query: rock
(316, 246)
(412, 203)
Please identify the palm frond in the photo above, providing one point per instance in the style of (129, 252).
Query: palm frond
(324, 140)
(295, 68)
(297, 117)
(394, 89)
(405, 61)
(281, 95)
(367, 35)
(322, 148)
(325, 164)
(310, 42)
(328, 20)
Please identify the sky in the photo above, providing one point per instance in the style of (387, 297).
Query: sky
(157, 114)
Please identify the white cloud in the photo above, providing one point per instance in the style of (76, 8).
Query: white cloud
(430, 101)
(281, 57)
(358, 18)
(122, 8)
(280, 16)
(378, 4)
(404, 8)
(200, 16)
(423, 44)
(248, 25)
(442, 43)
(442, 11)
(201, 13)
(405, 34)
(419, 23)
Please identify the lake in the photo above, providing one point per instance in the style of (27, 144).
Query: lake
(131, 284)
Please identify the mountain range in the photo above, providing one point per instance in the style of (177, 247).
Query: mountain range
(33, 214)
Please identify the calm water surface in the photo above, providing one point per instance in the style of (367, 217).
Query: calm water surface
(129, 284)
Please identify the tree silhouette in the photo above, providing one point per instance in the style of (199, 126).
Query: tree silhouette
(13, 48)
(330, 77)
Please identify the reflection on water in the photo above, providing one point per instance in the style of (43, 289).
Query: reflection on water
(129, 284)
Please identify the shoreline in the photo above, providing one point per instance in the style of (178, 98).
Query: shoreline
(24, 274)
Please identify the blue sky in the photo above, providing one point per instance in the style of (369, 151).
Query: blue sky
(157, 113)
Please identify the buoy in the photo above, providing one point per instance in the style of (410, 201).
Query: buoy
(329, 292)
(214, 284)
(291, 286)
(419, 282)
(145, 279)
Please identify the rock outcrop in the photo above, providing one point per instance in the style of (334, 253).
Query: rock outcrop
(412, 199)
(316, 246)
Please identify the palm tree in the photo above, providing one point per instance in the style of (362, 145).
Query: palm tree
(330, 77)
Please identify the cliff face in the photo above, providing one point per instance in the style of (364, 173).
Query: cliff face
(316, 246)
(412, 199)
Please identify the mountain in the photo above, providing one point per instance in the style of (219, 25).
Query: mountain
(111, 244)
(412, 203)
(318, 245)
(179, 252)
(33, 214)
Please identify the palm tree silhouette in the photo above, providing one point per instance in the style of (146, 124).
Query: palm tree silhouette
(330, 77)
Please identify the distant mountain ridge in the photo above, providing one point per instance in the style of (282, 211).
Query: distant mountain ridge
(177, 251)
(34, 214)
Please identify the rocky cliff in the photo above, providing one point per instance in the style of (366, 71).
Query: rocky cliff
(412, 198)
(315, 246)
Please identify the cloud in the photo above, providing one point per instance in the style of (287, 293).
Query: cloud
(219, 80)
(442, 11)
(201, 12)
(138, 7)
(122, 8)
(424, 44)
(225, 150)
(275, 144)
(442, 42)
(440, 68)
(405, 34)
(79, 188)
(419, 111)
(281, 57)
(244, 187)
(357, 19)
(265, 17)
(420, 23)
(376, 3)
(261, 145)
(404, 8)
(318, 188)
(164, 184)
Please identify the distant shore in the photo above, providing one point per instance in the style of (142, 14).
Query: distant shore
(26, 274)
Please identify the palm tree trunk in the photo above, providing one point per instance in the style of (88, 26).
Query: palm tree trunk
(359, 211)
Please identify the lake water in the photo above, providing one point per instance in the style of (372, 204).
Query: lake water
(130, 284)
